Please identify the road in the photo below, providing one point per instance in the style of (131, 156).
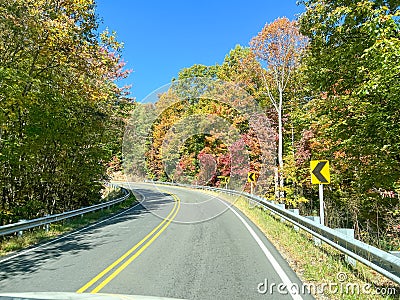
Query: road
(176, 243)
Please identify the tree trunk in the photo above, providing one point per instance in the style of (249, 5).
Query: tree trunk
(280, 147)
(276, 183)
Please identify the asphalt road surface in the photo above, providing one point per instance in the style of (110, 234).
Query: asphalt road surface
(176, 243)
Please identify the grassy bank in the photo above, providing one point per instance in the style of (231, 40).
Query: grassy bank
(13, 243)
(317, 265)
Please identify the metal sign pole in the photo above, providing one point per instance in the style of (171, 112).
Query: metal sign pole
(321, 204)
(251, 187)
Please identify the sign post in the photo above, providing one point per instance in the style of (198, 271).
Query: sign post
(251, 177)
(320, 175)
(224, 180)
(321, 204)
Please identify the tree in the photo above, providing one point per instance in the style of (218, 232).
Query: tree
(241, 67)
(203, 119)
(352, 66)
(60, 106)
(279, 47)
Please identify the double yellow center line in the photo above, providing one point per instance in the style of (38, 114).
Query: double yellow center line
(129, 256)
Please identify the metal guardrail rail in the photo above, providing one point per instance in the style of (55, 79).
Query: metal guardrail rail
(381, 261)
(28, 224)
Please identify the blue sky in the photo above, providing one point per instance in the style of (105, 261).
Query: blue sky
(162, 37)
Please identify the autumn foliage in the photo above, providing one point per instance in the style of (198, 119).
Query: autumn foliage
(328, 84)
(61, 111)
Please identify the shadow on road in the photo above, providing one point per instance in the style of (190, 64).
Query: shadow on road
(79, 240)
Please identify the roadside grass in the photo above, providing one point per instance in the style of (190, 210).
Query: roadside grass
(37, 235)
(319, 265)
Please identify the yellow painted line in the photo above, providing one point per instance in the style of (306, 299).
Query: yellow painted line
(130, 260)
(126, 254)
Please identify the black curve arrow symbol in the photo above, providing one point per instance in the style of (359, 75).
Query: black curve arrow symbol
(251, 176)
(317, 172)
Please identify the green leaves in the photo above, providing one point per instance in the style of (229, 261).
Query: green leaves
(61, 112)
(353, 68)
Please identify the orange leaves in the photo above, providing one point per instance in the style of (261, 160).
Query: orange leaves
(280, 45)
(339, 154)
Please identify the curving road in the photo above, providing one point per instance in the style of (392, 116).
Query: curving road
(176, 243)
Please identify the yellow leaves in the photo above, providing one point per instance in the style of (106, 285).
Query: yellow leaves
(339, 154)
(209, 140)
(80, 7)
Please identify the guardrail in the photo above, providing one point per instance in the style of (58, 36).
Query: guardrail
(28, 224)
(381, 261)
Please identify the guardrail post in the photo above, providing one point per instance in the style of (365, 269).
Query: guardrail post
(296, 212)
(317, 241)
(350, 233)
(46, 226)
(281, 205)
(21, 232)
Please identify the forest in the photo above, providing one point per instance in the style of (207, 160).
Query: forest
(62, 113)
(327, 85)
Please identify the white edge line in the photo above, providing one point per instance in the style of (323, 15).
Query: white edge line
(285, 279)
(278, 269)
(72, 233)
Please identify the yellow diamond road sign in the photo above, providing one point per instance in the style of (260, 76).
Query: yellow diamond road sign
(320, 172)
(224, 179)
(251, 177)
